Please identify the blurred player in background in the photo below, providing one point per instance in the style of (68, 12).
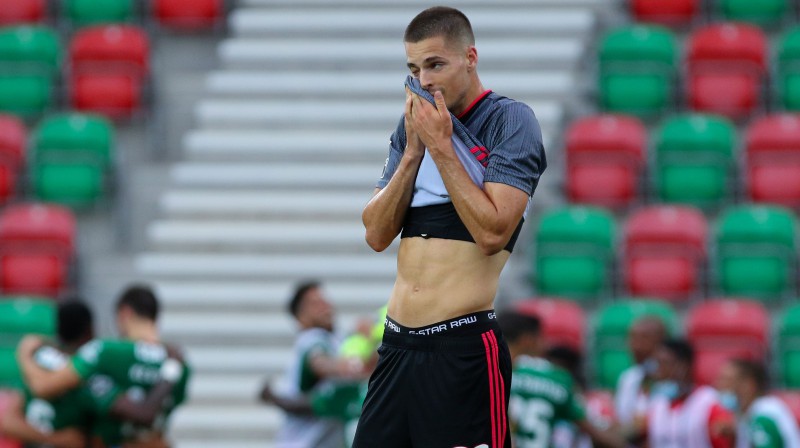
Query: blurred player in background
(541, 392)
(314, 367)
(136, 365)
(764, 421)
(681, 414)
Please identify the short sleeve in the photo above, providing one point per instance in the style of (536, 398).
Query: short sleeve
(87, 359)
(397, 144)
(516, 151)
(765, 433)
(574, 408)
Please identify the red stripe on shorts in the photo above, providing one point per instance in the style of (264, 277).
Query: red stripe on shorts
(492, 389)
(501, 390)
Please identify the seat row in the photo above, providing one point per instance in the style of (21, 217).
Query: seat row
(106, 70)
(693, 159)
(724, 71)
(666, 252)
(684, 12)
(67, 159)
(719, 329)
(171, 13)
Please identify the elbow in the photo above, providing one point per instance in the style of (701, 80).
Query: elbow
(491, 244)
(378, 243)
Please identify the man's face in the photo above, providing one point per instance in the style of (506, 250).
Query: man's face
(643, 341)
(669, 367)
(316, 311)
(123, 318)
(444, 66)
(727, 378)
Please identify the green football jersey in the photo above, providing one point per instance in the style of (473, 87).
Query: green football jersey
(769, 424)
(135, 369)
(342, 401)
(73, 409)
(541, 394)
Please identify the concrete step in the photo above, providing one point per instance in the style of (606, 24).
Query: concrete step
(246, 423)
(282, 145)
(421, 4)
(538, 84)
(264, 203)
(359, 177)
(545, 53)
(326, 114)
(272, 266)
(224, 389)
(525, 21)
(226, 359)
(255, 236)
(241, 328)
(262, 295)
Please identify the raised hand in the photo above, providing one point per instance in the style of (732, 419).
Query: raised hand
(432, 124)
(414, 146)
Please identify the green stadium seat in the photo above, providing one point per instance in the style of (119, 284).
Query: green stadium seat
(694, 157)
(70, 159)
(788, 345)
(761, 12)
(29, 62)
(755, 251)
(20, 316)
(611, 326)
(10, 376)
(637, 70)
(788, 70)
(96, 12)
(574, 250)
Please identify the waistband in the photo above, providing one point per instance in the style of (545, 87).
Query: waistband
(460, 333)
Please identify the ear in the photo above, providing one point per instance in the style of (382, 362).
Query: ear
(472, 58)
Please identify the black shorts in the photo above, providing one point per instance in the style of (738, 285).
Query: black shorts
(443, 386)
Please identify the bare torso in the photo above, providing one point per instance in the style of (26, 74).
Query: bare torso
(439, 279)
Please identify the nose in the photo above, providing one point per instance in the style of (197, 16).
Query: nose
(425, 80)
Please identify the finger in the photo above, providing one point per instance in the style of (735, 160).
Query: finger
(440, 104)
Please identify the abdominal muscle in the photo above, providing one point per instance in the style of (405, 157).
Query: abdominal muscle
(438, 279)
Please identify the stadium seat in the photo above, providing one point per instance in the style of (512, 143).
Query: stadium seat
(756, 251)
(96, 12)
(70, 157)
(10, 376)
(721, 329)
(694, 157)
(18, 12)
(563, 321)
(761, 12)
(665, 12)
(5, 397)
(637, 70)
(788, 70)
(664, 252)
(29, 63)
(188, 14)
(726, 63)
(605, 160)
(611, 326)
(37, 245)
(773, 160)
(574, 252)
(13, 139)
(108, 66)
(788, 345)
(21, 316)
(792, 400)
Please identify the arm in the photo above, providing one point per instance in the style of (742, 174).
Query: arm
(603, 438)
(384, 213)
(145, 412)
(491, 214)
(325, 366)
(297, 406)
(15, 426)
(721, 427)
(44, 383)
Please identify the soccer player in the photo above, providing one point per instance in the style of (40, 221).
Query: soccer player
(463, 164)
(135, 364)
(541, 392)
(764, 421)
(681, 414)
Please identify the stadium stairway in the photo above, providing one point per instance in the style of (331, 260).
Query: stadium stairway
(289, 138)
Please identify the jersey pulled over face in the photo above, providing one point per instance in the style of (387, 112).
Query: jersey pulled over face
(541, 394)
(441, 65)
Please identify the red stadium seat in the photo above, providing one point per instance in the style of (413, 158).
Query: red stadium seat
(37, 244)
(13, 138)
(665, 248)
(563, 320)
(108, 68)
(726, 63)
(773, 160)
(792, 400)
(17, 12)
(665, 12)
(605, 157)
(188, 13)
(5, 401)
(723, 329)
